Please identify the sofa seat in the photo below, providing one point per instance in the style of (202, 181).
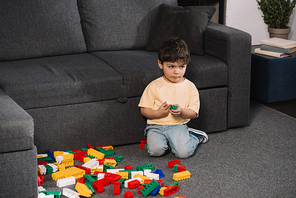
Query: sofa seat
(205, 71)
(59, 80)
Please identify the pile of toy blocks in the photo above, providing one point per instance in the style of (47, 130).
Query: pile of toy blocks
(98, 171)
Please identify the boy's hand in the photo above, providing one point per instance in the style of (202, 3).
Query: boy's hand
(176, 112)
(163, 110)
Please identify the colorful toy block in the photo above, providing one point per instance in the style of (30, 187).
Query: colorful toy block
(159, 172)
(173, 162)
(128, 194)
(83, 190)
(145, 166)
(66, 181)
(181, 175)
(179, 168)
(173, 107)
(116, 188)
(70, 193)
(148, 188)
(133, 184)
(118, 158)
(171, 190)
(98, 186)
(95, 153)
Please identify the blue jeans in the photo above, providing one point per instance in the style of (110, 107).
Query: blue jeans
(161, 138)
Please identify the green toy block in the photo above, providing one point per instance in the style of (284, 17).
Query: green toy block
(176, 167)
(145, 166)
(121, 181)
(173, 107)
(148, 188)
(107, 166)
(56, 194)
(49, 169)
(118, 158)
(173, 183)
(88, 179)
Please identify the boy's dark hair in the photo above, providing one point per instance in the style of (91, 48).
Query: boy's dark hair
(174, 49)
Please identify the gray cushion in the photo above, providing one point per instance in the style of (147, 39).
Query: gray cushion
(16, 126)
(109, 25)
(39, 28)
(59, 80)
(188, 23)
(139, 68)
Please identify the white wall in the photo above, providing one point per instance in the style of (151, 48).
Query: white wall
(244, 15)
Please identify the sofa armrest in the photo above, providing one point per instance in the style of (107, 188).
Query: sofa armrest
(234, 48)
(16, 126)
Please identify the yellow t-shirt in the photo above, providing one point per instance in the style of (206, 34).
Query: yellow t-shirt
(159, 91)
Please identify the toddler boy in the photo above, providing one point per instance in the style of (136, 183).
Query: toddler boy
(169, 102)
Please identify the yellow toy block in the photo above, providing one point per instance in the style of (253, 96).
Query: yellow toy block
(58, 175)
(95, 153)
(86, 159)
(161, 191)
(57, 153)
(83, 190)
(74, 171)
(107, 147)
(181, 175)
(142, 177)
(111, 162)
(123, 174)
(93, 170)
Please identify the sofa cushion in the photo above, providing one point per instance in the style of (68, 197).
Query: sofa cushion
(139, 68)
(32, 29)
(109, 25)
(188, 23)
(59, 80)
(16, 126)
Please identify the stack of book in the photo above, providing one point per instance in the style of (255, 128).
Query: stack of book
(276, 48)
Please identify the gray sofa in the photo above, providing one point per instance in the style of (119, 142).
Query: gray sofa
(72, 73)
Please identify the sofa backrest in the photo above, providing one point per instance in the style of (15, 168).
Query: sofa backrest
(118, 25)
(38, 28)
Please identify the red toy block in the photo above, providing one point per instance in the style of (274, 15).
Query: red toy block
(181, 168)
(143, 142)
(40, 162)
(128, 194)
(142, 146)
(40, 179)
(133, 184)
(89, 146)
(78, 155)
(98, 186)
(105, 181)
(139, 189)
(173, 162)
(113, 177)
(171, 190)
(87, 170)
(146, 181)
(81, 180)
(128, 167)
(116, 189)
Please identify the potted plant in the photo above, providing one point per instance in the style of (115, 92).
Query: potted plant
(276, 14)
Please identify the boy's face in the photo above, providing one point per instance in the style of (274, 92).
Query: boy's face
(173, 71)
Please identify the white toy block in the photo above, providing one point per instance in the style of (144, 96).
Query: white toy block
(70, 193)
(54, 167)
(40, 189)
(146, 171)
(91, 163)
(42, 169)
(133, 173)
(42, 155)
(153, 176)
(101, 176)
(41, 195)
(59, 159)
(66, 181)
(114, 171)
(129, 180)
